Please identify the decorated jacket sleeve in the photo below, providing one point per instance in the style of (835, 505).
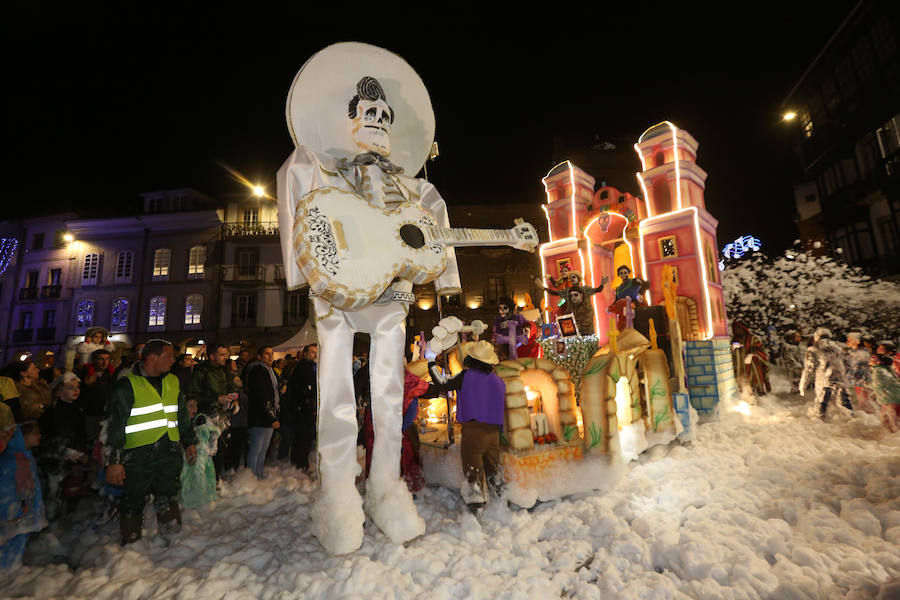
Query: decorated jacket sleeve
(295, 178)
(447, 282)
(119, 408)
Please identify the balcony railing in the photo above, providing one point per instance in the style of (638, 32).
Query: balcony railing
(51, 291)
(244, 274)
(250, 229)
(46, 333)
(26, 294)
(22, 335)
(253, 273)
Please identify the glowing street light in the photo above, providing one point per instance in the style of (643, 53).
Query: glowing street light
(789, 116)
(69, 238)
(259, 191)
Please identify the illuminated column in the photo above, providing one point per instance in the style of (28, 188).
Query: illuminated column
(670, 178)
(569, 192)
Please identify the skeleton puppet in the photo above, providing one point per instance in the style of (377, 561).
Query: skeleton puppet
(362, 123)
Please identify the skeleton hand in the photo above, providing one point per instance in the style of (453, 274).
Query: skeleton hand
(604, 280)
(445, 334)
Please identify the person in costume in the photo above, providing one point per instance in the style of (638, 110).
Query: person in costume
(95, 338)
(21, 501)
(631, 288)
(824, 366)
(578, 301)
(531, 348)
(410, 459)
(147, 428)
(751, 362)
(480, 403)
(198, 479)
(506, 313)
(362, 123)
(885, 386)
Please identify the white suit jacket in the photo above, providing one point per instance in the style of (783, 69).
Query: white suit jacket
(306, 170)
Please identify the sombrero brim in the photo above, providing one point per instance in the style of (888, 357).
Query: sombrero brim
(317, 104)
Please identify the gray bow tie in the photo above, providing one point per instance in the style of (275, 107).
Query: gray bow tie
(370, 158)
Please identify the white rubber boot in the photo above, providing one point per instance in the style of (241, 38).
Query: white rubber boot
(392, 509)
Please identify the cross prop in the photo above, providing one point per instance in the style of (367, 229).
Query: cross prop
(511, 338)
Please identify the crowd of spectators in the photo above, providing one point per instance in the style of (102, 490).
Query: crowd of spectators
(121, 426)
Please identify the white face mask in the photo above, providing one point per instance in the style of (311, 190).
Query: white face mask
(371, 127)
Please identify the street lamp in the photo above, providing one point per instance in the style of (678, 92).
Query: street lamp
(789, 116)
(259, 191)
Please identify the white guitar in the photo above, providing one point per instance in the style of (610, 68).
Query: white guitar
(349, 250)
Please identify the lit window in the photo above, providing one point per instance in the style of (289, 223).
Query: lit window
(119, 317)
(712, 270)
(251, 215)
(84, 314)
(162, 258)
(91, 270)
(668, 247)
(196, 261)
(157, 311)
(124, 266)
(193, 307)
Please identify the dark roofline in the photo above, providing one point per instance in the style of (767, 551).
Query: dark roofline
(823, 50)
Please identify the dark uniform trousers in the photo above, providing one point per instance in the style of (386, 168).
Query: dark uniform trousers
(153, 469)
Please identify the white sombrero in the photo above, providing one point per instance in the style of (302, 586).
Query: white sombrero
(317, 103)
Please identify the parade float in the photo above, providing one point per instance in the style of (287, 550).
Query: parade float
(655, 363)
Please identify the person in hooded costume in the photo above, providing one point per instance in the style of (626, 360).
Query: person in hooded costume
(824, 365)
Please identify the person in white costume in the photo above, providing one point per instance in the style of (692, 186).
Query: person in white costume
(343, 106)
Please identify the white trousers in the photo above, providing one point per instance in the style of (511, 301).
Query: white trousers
(337, 427)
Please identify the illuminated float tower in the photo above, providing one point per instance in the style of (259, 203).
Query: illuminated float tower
(590, 231)
(678, 232)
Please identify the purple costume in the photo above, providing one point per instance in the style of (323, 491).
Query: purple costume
(482, 398)
(502, 329)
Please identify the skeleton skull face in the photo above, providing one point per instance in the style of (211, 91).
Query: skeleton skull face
(576, 297)
(504, 310)
(622, 273)
(371, 126)
(574, 278)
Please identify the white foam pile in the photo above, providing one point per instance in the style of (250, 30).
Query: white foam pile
(765, 503)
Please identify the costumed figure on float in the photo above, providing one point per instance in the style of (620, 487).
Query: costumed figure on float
(509, 327)
(577, 300)
(629, 292)
(360, 230)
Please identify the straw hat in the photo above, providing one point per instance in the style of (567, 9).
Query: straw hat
(483, 351)
(321, 92)
(419, 368)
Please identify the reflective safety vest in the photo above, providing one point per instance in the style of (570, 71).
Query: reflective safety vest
(152, 415)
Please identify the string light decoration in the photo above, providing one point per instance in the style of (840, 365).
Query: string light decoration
(8, 247)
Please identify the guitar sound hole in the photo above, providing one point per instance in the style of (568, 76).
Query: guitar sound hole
(412, 236)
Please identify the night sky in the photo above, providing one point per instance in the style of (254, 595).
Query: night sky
(107, 104)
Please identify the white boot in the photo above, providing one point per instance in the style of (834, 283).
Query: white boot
(337, 520)
(391, 507)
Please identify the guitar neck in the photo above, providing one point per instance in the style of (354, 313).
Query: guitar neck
(465, 237)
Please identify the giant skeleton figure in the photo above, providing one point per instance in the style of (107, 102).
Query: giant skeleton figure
(337, 514)
(824, 365)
